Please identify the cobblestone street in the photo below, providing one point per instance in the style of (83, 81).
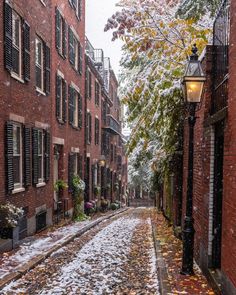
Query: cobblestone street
(115, 257)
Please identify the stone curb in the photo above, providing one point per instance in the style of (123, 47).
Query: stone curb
(23, 269)
(164, 285)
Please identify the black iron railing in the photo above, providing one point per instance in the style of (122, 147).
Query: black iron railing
(221, 58)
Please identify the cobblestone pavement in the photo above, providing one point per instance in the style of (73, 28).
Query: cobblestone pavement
(115, 257)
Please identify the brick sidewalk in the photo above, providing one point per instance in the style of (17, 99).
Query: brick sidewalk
(170, 249)
(37, 248)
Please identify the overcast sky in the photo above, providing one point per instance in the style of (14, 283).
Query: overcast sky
(98, 11)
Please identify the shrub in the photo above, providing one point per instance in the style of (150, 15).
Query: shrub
(114, 206)
(10, 215)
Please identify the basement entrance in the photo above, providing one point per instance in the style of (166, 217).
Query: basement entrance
(218, 194)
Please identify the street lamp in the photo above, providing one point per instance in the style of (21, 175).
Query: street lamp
(193, 83)
(102, 161)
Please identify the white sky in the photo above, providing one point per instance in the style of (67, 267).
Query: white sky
(97, 13)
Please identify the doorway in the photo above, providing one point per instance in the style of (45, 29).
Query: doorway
(218, 195)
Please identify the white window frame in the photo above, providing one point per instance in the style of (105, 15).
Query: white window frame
(76, 109)
(16, 16)
(41, 66)
(43, 2)
(18, 185)
(41, 178)
(76, 51)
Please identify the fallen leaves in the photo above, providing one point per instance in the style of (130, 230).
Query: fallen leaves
(171, 249)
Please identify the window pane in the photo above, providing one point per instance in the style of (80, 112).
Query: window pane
(40, 168)
(38, 52)
(40, 143)
(16, 140)
(16, 169)
(16, 29)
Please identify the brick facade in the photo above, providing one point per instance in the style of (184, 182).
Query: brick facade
(47, 123)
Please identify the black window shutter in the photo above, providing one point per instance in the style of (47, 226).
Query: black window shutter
(64, 38)
(8, 36)
(80, 166)
(98, 131)
(71, 105)
(80, 66)
(90, 128)
(26, 51)
(90, 84)
(86, 83)
(35, 139)
(71, 161)
(9, 157)
(47, 156)
(64, 100)
(95, 133)
(71, 46)
(47, 60)
(80, 111)
(27, 156)
(58, 29)
(58, 96)
(79, 9)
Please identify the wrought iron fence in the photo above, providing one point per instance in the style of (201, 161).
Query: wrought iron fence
(221, 57)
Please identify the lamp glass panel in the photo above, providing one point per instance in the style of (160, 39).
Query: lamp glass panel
(194, 91)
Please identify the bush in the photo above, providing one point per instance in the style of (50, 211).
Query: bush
(10, 215)
(114, 206)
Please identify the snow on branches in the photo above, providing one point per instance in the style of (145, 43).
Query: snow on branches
(157, 43)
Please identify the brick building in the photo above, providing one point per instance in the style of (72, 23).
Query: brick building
(52, 98)
(26, 110)
(104, 145)
(214, 188)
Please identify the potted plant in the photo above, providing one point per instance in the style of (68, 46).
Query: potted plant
(116, 186)
(9, 218)
(97, 190)
(104, 204)
(60, 185)
(78, 187)
(108, 186)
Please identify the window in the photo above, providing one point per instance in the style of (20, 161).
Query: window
(16, 44)
(42, 66)
(75, 52)
(88, 84)
(97, 93)
(41, 156)
(39, 59)
(61, 101)
(61, 33)
(89, 128)
(17, 156)
(18, 160)
(77, 6)
(96, 131)
(75, 108)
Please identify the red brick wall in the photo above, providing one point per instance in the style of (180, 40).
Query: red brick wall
(202, 148)
(22, 99)
(72, 137)
(229, 193)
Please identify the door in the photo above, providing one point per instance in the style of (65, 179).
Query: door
(218, 195)
(55, 174)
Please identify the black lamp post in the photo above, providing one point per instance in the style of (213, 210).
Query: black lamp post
(193, 83)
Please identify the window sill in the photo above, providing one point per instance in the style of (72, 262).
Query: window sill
(59, 51)
(60, 121)
(40, 91)
(43, 2)
(76, 127)
(41, 184)
(15, 76)
(18, 190)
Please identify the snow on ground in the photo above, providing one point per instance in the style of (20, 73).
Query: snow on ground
(98, 265)
(31, 247)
